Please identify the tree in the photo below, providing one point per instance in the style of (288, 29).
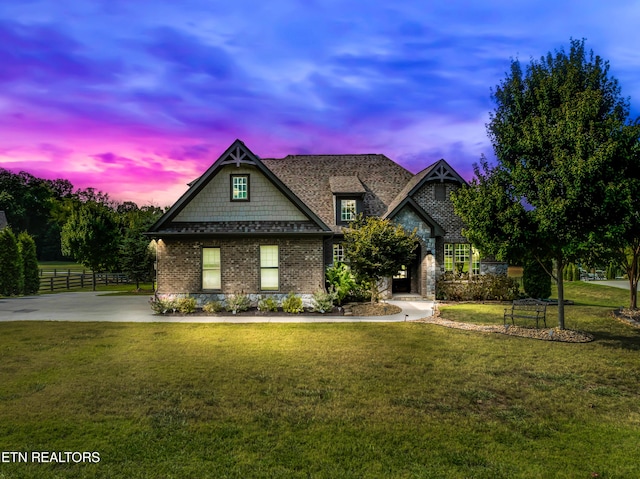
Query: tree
(375, 249)
(558, 131)
(137, 256)
(11, 274)
(92, 237)
(620, 242)
(535, 279)
(31, 272)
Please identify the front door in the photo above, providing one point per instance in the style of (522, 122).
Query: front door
(401, 282)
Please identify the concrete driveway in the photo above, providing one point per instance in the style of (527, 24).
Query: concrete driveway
(618, 283)
(92, 306)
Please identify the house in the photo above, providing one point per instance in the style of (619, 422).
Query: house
(272, 226)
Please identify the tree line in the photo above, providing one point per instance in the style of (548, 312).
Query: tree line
(84, 225)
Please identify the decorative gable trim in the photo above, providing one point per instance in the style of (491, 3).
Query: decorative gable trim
(237, 155)
(441, 171)
(436, 229)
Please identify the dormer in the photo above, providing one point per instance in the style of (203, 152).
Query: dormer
(348, 194)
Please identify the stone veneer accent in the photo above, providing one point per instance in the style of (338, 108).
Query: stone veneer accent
(301, 265)
(423, 279)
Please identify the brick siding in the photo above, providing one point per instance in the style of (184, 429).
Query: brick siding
(301, 267)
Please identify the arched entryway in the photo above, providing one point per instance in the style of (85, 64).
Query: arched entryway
(407, 280)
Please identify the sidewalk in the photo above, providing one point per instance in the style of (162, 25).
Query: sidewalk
(93, 306)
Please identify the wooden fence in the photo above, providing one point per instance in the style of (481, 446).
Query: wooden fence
(67, 279)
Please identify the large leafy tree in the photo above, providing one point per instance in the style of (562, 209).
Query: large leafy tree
(558, 131)
(621, 239)
(92, 236)
(376, 248)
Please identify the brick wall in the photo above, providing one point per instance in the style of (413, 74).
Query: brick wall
(301, 267)
(442, 212)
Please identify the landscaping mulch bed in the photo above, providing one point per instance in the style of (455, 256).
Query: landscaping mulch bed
(545, 334)
(629, 316)
(375, 309)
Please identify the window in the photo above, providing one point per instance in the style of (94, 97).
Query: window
(347, 210)
(440, 192)
(448, 257)
(459, 257)
(211, 268)
(338, 253)
(239, 187)
(402, 274)
(269, 272)
(475, 261)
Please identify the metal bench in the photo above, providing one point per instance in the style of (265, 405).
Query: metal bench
(527, 309)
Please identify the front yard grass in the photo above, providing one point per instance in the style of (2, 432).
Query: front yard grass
(170, 400)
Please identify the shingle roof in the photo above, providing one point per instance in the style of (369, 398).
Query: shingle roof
(308, 177)
(311, 181)
(240, 227)
(346, 184)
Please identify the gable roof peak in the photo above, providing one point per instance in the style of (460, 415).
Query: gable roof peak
(440, 171)
(237, 154)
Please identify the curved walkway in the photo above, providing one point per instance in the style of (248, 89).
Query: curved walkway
(95, 306)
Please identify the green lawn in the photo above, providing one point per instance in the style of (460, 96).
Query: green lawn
(414, 400)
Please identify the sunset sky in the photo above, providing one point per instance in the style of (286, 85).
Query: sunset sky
(138, 97)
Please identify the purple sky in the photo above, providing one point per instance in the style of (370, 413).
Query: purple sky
(137, 98)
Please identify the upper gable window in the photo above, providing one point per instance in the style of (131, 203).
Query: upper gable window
(239, 187)
(440, 192)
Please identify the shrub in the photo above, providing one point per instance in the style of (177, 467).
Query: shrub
(576, 273)
(535, 279)
(323, 302)
(236, 303)
(292, 304)
(212, 307)
(11, 267)
(267, 304)
(186, 305)
(163, 306)
(361, 293)
(341, 280)
(27, 247)
(479, 288)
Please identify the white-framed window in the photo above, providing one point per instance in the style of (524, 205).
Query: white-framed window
(269, 269)
(338, 253)
(448, 256)
(347, 210)
(239, 187)
(459, 257)
(475, 261)
(211, 277)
